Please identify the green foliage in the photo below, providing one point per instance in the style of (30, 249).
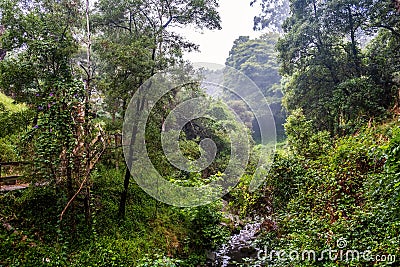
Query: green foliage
(318, 191)
(56, 130)
(189, 141)
(8, 151)
(8, 104)
(27, 236)
(14, 121)
(388, 186)
(348, 192)
(364, 103)
(48, 45)
(131, 51)
(41, 43)
(158, 261)
(338, 83)
(257, 59)
(207, 232)
(272, 14)
(303, 138)
(153, 234)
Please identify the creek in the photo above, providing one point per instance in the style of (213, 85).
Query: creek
(239, 248)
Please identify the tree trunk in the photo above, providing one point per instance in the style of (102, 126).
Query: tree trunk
(124, 194)
(354, 43)
(87, 125)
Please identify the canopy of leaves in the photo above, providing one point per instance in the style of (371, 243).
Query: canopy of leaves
(257, 59)
(273, 13)
(134, 41)
(328, 71)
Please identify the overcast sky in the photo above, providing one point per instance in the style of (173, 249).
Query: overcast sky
(237, 19)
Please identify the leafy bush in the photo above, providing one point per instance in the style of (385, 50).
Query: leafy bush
(8, 151)
(303, 139)
(158, 261)
(351, 192)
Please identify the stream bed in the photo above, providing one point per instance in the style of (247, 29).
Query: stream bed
(238, 248)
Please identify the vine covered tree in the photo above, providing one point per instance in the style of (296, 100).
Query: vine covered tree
(41, 40)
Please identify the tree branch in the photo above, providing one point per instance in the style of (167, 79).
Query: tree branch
(93, 162)
(388, 28)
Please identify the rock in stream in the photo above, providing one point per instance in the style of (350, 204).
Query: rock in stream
(238, 247)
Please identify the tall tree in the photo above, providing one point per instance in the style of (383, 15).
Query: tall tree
(136, 41)
(323, 61)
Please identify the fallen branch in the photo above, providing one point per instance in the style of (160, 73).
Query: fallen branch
(92, 163)
(73, 198)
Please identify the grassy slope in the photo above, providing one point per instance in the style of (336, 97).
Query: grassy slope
(9, 104)
(13, 120)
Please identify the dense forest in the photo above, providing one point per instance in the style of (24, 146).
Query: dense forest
(86, 179)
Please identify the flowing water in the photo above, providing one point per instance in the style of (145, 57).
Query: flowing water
(238, 247)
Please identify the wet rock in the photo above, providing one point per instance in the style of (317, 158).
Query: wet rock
(238, 247)
(210, 256)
